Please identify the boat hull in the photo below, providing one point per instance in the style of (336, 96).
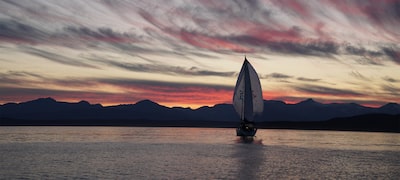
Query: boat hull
(245, 132)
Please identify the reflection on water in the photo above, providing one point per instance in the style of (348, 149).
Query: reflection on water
(203, 153)
(250, 158)
(343, 140)
(248, 140)
(292, 138)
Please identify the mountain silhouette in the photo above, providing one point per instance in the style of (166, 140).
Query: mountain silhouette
(50, 111)
(310, 110)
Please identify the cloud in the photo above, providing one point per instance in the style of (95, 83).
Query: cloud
(390, 79)
(19, 78)
(321, 90)
(209, 42)
(374, 57)
(174, 92)
(144, 84)
(19, 94)
(221, 27)
(308, 79)
(25, 79)
(361, 51)
(382, 15)
(297, 7)
(128, 91)
(17, 32)
(155, 67)
(358, 75)
(56, 57)
(364, 32)
(393, 54)
(103, 34)
(276, 76)
(391, 90)
(310, 48)
(23, 74)
(367, 57)
(284, 77)
(70, 36)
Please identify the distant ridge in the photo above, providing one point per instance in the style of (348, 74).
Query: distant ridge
(52, 112)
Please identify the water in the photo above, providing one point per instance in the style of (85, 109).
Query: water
(199, 153)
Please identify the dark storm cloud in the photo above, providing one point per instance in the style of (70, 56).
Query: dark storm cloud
(321, 90)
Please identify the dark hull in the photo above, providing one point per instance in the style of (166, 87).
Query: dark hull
(246, 132)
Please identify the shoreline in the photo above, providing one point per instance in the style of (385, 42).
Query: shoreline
(287, 126)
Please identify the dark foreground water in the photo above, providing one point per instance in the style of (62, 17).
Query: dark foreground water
(200, 153)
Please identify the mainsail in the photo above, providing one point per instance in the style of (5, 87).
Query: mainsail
(247, 98)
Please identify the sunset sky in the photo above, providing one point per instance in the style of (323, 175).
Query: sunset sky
(189, 53)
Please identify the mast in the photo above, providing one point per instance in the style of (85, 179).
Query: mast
(248, 95)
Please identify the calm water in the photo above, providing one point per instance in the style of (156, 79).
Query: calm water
(202, 153)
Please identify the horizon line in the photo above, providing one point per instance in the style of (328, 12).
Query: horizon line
(163, 104)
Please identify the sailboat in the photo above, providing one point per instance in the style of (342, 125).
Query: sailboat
(247, 99)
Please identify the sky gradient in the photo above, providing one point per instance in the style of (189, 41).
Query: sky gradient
(189, 53)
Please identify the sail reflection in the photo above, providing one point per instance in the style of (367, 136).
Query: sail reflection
(250, 158)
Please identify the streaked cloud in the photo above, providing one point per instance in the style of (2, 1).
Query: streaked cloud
(308, 79)
(316, 48)
(390, 79)
(56, 57)
(322, 90)
(276, 76)
(162, 68)
(391, 90)
(359, 76)
(393, 54)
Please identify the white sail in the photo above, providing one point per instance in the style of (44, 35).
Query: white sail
(247, 97)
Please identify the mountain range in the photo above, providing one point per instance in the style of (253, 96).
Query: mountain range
(48, 111)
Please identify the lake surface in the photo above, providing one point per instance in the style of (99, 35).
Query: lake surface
(54, 152)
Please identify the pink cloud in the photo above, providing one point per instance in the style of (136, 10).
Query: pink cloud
(211, 43)
(295, 6)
